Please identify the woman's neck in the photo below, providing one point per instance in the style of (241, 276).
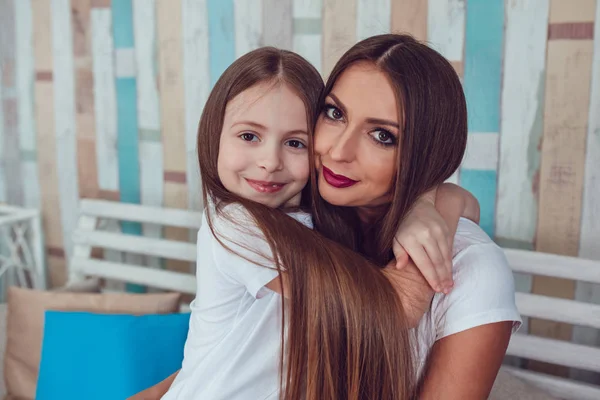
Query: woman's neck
(369, 214)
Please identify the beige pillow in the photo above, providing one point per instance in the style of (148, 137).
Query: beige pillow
(25, 325)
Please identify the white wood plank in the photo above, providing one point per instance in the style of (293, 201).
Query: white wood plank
(25, 75)
(85, 223)
(482, 151)
(277, 26)
(372, 18)
(136, 213)
(590, 217)
(105, 99)
(137, 244)
(553, 265)
(446, 27)
(196, 75)
(148, 108)
(162, 279)
(521, 118)
(554, 309)
(308, 26)
(64, 117)
(560, 387)
(555, 352)
(248, 25)
(2, 169)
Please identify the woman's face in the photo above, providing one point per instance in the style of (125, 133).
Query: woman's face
(356, 139)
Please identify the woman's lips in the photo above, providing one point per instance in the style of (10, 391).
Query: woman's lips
(337, 181)
(265, 187)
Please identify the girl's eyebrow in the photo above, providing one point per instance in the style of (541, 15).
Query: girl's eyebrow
(250, 123)
(374, 121)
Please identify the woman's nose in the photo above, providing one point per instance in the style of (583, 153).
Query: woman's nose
(343, 148)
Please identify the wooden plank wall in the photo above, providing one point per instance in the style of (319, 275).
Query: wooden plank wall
(102, 99)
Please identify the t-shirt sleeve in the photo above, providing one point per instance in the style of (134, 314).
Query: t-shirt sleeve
(483, 293)
(242, 254)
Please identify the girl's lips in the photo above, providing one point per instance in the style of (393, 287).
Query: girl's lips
(265, 187)
(337, 181)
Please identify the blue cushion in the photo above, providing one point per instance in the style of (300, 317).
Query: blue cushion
(108, 356)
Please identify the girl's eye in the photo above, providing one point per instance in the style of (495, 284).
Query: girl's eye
(249, 137)
(383, 137)
(295, 144)
(333, 113)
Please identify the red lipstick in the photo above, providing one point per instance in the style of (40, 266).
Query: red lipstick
(337, 181)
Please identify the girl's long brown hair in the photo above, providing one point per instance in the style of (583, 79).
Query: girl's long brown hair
(433, 114)
(347, 336)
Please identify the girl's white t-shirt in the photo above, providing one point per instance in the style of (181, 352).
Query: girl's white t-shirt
(233, 348)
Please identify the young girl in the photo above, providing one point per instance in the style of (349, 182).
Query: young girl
(346, 332)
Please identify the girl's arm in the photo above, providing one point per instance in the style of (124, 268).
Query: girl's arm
(157, 391)
(465, 365)
(427, 233)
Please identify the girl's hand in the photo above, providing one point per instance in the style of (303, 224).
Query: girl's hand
(425, 238)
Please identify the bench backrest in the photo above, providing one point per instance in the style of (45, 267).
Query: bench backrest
(522, 345)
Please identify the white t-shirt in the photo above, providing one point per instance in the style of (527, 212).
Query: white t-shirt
(233, 347)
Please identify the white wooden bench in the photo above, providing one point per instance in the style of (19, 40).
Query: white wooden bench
(522, 345)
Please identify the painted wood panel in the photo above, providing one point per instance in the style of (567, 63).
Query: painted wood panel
(172, 111)
(196, 75)
(568, 74)
(339, 33)
(148, 109)
(482, 83)
(64, 119)
(410, 16)
(47, 164)
(248, 16)
(9, 104)
(221, 32)
(590, 213)
(372, 18)
(84, 99)
(2, 171)
(277, 26)
(25, 74)
(308, 28)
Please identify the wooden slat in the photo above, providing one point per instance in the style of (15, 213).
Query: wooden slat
(196, 75)
(308, 29)
(248, 16)
(521, 119)
(339, 31)
(143, 214)
(148, 109)
(221, 30)
(590, 214)
(410, 16)
(277, 27)
(555, 352)
(2, 172)
(137, 245)
(170, 56)
(64, 118)
(11, 157)
(553, 309)
(161, 279)
(372, 18)
(567, 91)
(552, 265)
(446, 29)
(27, 124)
(87, 166)
(44, 116)
(560, 387)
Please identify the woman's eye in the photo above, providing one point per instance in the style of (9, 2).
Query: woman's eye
(249, 137)
(383, 137)
(296, 144)
(333, 113)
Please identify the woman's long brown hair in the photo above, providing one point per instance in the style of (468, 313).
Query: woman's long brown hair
(433, 113)
(347, 336)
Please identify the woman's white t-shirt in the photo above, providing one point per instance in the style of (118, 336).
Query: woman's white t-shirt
(233, 349)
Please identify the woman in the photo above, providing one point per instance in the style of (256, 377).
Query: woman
(394, 125)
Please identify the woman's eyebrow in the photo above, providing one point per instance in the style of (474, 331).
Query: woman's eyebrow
(338, 103)
(377, 121)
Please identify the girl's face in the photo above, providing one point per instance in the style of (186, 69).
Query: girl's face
(263, 150)
(356, 139)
